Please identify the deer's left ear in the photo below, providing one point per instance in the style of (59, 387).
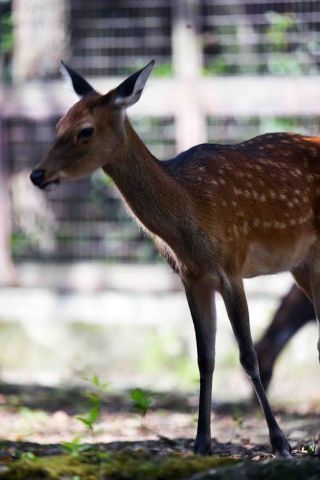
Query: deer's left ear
(129, 91)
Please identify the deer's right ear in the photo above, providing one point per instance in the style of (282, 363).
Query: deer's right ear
(79, 84)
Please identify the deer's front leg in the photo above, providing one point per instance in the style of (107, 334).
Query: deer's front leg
(201, 302)
(236, 305)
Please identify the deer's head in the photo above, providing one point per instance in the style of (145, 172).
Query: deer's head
(90, 131)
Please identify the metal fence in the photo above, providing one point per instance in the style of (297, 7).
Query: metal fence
(227, 70)
(116, 40)
(269, 37)
(81, 220)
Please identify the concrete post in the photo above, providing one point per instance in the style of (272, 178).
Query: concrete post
(40, 37)
(187, 65)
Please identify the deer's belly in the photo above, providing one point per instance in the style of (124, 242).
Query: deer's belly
(262, 259)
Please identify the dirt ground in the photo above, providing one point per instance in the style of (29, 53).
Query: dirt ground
(35, 421)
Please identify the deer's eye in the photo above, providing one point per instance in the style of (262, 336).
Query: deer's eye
(85, 133)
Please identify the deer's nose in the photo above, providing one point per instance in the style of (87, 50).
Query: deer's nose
(37, 177)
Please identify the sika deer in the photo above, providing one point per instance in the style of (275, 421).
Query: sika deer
(217, 213)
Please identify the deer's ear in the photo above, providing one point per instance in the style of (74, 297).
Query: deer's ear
(129, 91)
(79, 84)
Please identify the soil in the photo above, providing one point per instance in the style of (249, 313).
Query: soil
(36, 420)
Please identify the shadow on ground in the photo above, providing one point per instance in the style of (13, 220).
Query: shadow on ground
(160, 448)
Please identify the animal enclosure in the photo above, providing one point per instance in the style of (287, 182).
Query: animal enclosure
(226, 71)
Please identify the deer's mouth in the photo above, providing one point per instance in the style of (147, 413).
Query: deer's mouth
(50, 184)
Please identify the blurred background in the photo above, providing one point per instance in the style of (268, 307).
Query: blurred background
(82, 289)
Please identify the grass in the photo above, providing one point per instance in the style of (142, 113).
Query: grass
(94, 465)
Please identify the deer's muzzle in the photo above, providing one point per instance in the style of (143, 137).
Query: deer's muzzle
(37, 177)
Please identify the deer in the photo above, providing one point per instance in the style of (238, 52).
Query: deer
(294, 311)
(217, 213)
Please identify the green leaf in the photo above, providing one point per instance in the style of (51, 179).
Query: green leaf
(28, 456)
(141, 400)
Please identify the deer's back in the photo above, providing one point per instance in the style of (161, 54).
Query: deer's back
(262, 195)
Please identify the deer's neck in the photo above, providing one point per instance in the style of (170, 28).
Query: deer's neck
(151, 195)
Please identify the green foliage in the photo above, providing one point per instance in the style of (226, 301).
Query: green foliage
(237, 416)
(91, 418)
(279, 25)
(138, 465)
(74, 448)
(282, 57)
(311, 448)
(163, 70)
(141, 400)
(6, 34)
(96, 382)
(29, 456)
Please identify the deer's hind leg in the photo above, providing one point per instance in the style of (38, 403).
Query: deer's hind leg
(236, 305)
(308, 278)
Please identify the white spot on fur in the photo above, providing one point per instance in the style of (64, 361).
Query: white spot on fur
(245, 228)
(272, 194)
(309, 177)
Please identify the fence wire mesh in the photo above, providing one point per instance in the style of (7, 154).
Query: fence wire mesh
(85, 220)
(272, 37)
(80, 220)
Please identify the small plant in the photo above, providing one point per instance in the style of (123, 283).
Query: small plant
(96, 382)
(74, 448)
(142, 401)
(31, 457)
(91, 418)
(237, 416)
(311, 448)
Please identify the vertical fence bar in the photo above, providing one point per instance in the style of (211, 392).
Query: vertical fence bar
(187, 65)
(41, 38)
(7, 272)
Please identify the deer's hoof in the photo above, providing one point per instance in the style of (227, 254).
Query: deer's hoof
(202, 446)
(281, 446)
